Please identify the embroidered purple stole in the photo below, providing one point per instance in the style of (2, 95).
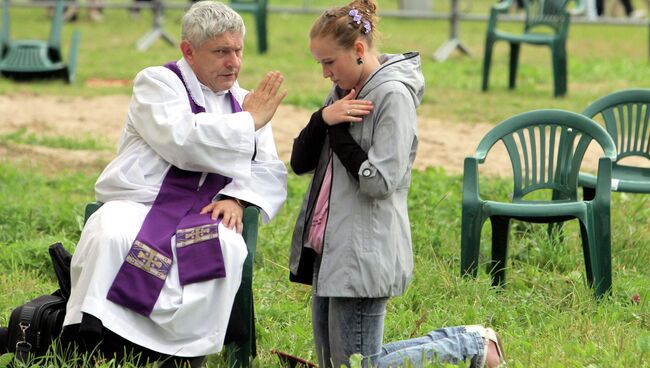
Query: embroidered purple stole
(175, 210)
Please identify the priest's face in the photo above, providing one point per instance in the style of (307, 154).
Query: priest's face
(216, 62)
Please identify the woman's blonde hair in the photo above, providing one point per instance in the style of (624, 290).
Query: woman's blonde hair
(346, 24)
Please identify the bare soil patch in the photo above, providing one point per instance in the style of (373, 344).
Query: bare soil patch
(442, 144)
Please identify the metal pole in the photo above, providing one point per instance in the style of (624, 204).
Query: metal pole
(453, 42)
(157, 31)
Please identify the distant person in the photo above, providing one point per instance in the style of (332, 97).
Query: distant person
(520, 4)
(628, 8)
(71, 11)
(95, 10)
(135, 10)
(156, 269)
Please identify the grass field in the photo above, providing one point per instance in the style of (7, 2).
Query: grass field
(601, 59)
(546, 315)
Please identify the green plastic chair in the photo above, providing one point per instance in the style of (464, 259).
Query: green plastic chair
(26, 59)
(626, 116)
(259, 10)
(546, 148)
(240, 336)
(240, 342)
(546, 24)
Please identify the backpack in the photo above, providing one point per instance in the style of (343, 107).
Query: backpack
(33, 325)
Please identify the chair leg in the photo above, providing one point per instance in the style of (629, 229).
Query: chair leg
(470, 241)
(497, 267)
(600, 251)
(487, 60)
(240, 333)
(556, 229)
(243, 349)
(586, 253)
(514, 63)
(71, 73)
(558, 54)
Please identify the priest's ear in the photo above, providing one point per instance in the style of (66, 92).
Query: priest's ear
(188, 51)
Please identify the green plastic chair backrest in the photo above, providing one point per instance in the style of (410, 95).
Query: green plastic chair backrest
(546, 13)
(626, 115)
(546, 148)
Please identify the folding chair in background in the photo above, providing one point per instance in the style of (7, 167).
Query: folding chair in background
(625, 115)
(546, 24)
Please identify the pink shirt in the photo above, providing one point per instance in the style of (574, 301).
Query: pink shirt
(319, 219)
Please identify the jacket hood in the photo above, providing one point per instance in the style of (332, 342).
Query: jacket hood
(404, 68)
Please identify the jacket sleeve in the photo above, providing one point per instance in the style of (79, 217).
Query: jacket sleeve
(347, 149)
(308, 145)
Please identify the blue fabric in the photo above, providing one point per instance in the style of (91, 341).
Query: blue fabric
(346, 326)
(446, 345)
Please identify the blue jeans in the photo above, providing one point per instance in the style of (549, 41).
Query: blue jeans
(446, 345)
(346, 326)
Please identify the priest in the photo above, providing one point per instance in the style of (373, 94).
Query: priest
(157, 267)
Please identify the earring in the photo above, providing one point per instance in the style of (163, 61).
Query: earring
(359, 61)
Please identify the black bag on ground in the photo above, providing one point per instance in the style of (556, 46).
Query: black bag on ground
(33, 325)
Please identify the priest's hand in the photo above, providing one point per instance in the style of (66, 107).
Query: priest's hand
(262, 102)
(230, 211)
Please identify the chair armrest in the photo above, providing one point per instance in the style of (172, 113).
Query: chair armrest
(495, 10)
(502, 6)
(604, 182)
(470, 180)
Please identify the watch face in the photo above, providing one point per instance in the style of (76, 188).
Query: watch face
(366, 172)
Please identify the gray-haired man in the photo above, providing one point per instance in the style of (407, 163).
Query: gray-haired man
(157, 266)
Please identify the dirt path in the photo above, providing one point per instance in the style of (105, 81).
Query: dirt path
(442, 144)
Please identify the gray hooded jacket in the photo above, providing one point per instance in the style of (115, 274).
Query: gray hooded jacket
(367, 241)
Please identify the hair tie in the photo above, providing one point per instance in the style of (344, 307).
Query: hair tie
(356, 17)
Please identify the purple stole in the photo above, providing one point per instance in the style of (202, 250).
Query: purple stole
(175, 210)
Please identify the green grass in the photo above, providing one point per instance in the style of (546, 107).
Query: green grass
(546, 314)
(21, 136)
(601, 59)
